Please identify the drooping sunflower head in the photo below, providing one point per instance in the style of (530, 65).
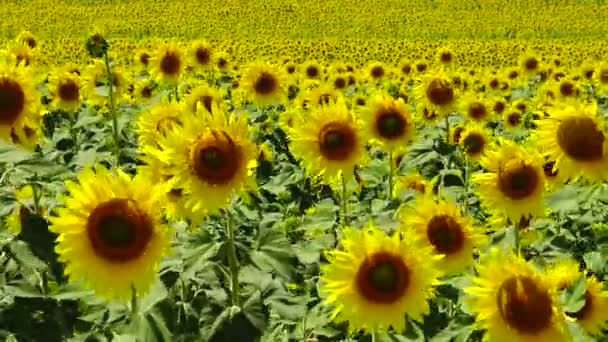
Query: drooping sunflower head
(210, 158)
(329, 141)
(18, 102)
(157, 123)
(514, 182)
(376, 279)
(514, 301)
(205, 97)
(201, 54)
(575, 138)
(388, 121)
(474, 140)
(437, 92)
(264, 83)
(441, 225)
(110, 234)
(169, 63)
(66, 90)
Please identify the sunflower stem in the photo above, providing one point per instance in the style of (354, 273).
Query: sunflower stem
(343, 204)
(447, 128)
(516, 237)
(176, 94)
(390, 175)
(233, 261)
(112, 112)
(36, 195)
(134, 300)
(466, 185)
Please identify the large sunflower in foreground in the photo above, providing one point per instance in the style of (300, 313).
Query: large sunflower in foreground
(18, 101)
(575, 138)
(157, 122)
(514, 184)
(209, 158)
(329, 141)
(441, 225)
(377, 279)
(388, 121)
(514, 302)
(110, 235)
(264, 83)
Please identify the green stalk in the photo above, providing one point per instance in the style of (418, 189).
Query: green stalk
(516, 235)
(112, 112)
(36, 194)
(467, 173)
(233, 261)
(176, 94)
(343, 204)
(447, 128)
(390, 175)
(134, 300)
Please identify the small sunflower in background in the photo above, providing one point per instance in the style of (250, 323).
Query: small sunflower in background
(110, 235)
(512, 118)
(515, 302)
(319, 95)
(201, 55)
(142, 59)
(474, 139)
(475, 107)
(445, 56)
(514, 183)
(529, 64)
(18, 100)
(329, 141)
(376, 279)
(157, 122)
(437, 93)
(22, 53)
(441, 225)
(600, 78)
(145, 89)
(221, 60)
(65, 88)
(205, 97)
(388, 122)
(209, 158)
(412, 181)
(169, 63)
(27, 38)
(574, 136)
(264, 83)
(376, 71)
(311, 70)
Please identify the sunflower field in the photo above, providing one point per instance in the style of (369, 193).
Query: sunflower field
(301, 170)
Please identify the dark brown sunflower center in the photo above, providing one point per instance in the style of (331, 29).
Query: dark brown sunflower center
(291, 69)
(218, 160)
(421, 67)
(68, 91)
(406, 69)
(266, 83)
(377, 72)
(12, 101)
(312, 71)
(586, 310)
(439, 92)
(146, 92)
(429, 114)
(517, 180)
(170, 64)
(360, 101)
(473, 144)
(604, 76)
(31, 42)
(457, 134)
(325, 99)
(531, 64)
(499, 107)
(514, 119)
(524, 305)
(445, 234)
(391, 124)
(580, 139)
(144, 58)
(337, 141)
(566, 89)
(548, 168)
(493, 83)
(339, 83)
(417, 186)
(203, 56)
(382, 278)
(118, 230)
(445, 57)
(206, 101)
(477, 111)
(222, 63)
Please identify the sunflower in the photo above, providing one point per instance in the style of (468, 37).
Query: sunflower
(564, 272)
(413, 181)
(264, 83)
(204, 96)
(18, 100)
(529, 64)
(445, 56)
(201, 54)
(437, 93)
(319, 95)
(16, 219)
(22, 53)
(442, 226)
(376, 279)
(388, 122)
(593, 316)
(66, 90)
(600, 78)
(474, 107)
(311, 70)
(329, 141)
(157, 122)
(27, 38)
(210, 157)
(514, 302)
(512, 118)
(473, 140)
(514, 184)
(575, 138)
(145, 89)
(222, 61)
(110, 234)
(169, 63)
(142, 59)
(376, 71)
